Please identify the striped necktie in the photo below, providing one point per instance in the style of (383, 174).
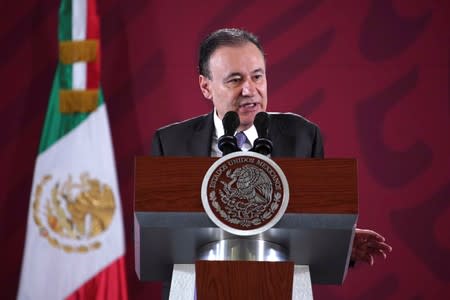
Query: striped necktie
(241, 139)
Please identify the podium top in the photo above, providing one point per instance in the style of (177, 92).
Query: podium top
(172, 184)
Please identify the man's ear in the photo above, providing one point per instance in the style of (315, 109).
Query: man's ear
(205, 87)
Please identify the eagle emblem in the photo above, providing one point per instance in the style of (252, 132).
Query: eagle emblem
(70, 215)
(248, 193)
(245, 193)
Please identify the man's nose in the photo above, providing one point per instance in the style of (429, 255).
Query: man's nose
(248, 88)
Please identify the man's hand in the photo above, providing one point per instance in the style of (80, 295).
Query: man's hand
(367, 244)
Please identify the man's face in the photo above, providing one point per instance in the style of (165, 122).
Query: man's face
(238, 82)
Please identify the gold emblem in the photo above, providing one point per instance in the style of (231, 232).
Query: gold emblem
(73, 214)
(245, 193)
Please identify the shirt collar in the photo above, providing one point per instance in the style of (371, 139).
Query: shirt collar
(251, 133)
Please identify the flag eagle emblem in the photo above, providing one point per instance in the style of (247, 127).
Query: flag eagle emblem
(70, 214)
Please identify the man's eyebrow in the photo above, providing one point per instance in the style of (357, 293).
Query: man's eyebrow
(259, 70)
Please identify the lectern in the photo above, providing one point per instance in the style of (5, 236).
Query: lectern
(317, 229)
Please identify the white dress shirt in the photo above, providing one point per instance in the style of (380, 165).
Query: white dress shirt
(251, 134)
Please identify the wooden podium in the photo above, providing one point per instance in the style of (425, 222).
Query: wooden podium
(317, 229)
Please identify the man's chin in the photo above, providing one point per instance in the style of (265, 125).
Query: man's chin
(247, 120)
(248, 116)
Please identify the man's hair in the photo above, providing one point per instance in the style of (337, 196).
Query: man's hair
(219, 38)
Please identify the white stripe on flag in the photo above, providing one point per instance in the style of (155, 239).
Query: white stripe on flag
(79, 25)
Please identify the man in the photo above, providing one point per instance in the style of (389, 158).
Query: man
(232, 71)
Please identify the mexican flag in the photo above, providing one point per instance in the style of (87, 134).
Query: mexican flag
(74, 246)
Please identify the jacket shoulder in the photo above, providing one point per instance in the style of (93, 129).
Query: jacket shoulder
(288, 120)
(295, 136)
(189, 124)
(190, 137)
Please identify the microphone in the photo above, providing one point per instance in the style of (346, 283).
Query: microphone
(227, 143)
(262, 144)
(230, 122)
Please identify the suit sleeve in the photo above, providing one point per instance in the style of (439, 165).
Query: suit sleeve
(156, 145)
(317, 145)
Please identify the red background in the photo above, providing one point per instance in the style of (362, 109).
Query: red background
(373, 74)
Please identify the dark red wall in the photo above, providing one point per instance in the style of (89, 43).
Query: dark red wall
(374, 74)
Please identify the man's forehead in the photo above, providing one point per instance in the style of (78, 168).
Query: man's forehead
(246, 48)
(236, 58)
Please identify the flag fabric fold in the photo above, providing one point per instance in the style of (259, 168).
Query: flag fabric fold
(74, 247)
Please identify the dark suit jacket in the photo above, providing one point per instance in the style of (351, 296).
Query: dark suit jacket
(291, 135)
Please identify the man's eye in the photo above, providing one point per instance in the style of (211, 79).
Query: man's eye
(258, 77)
(234, 80)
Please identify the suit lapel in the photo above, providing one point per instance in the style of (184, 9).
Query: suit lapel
(200, 144)
(283, 142)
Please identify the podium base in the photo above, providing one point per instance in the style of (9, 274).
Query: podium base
(182, 286)
(302, 288)
(183, 283)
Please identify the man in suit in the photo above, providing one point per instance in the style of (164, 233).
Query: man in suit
(232, 75)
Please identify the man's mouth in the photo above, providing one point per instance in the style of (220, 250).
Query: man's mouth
(248, 105)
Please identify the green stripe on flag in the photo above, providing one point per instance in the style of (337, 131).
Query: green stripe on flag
(65, 21)
(65, 34)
